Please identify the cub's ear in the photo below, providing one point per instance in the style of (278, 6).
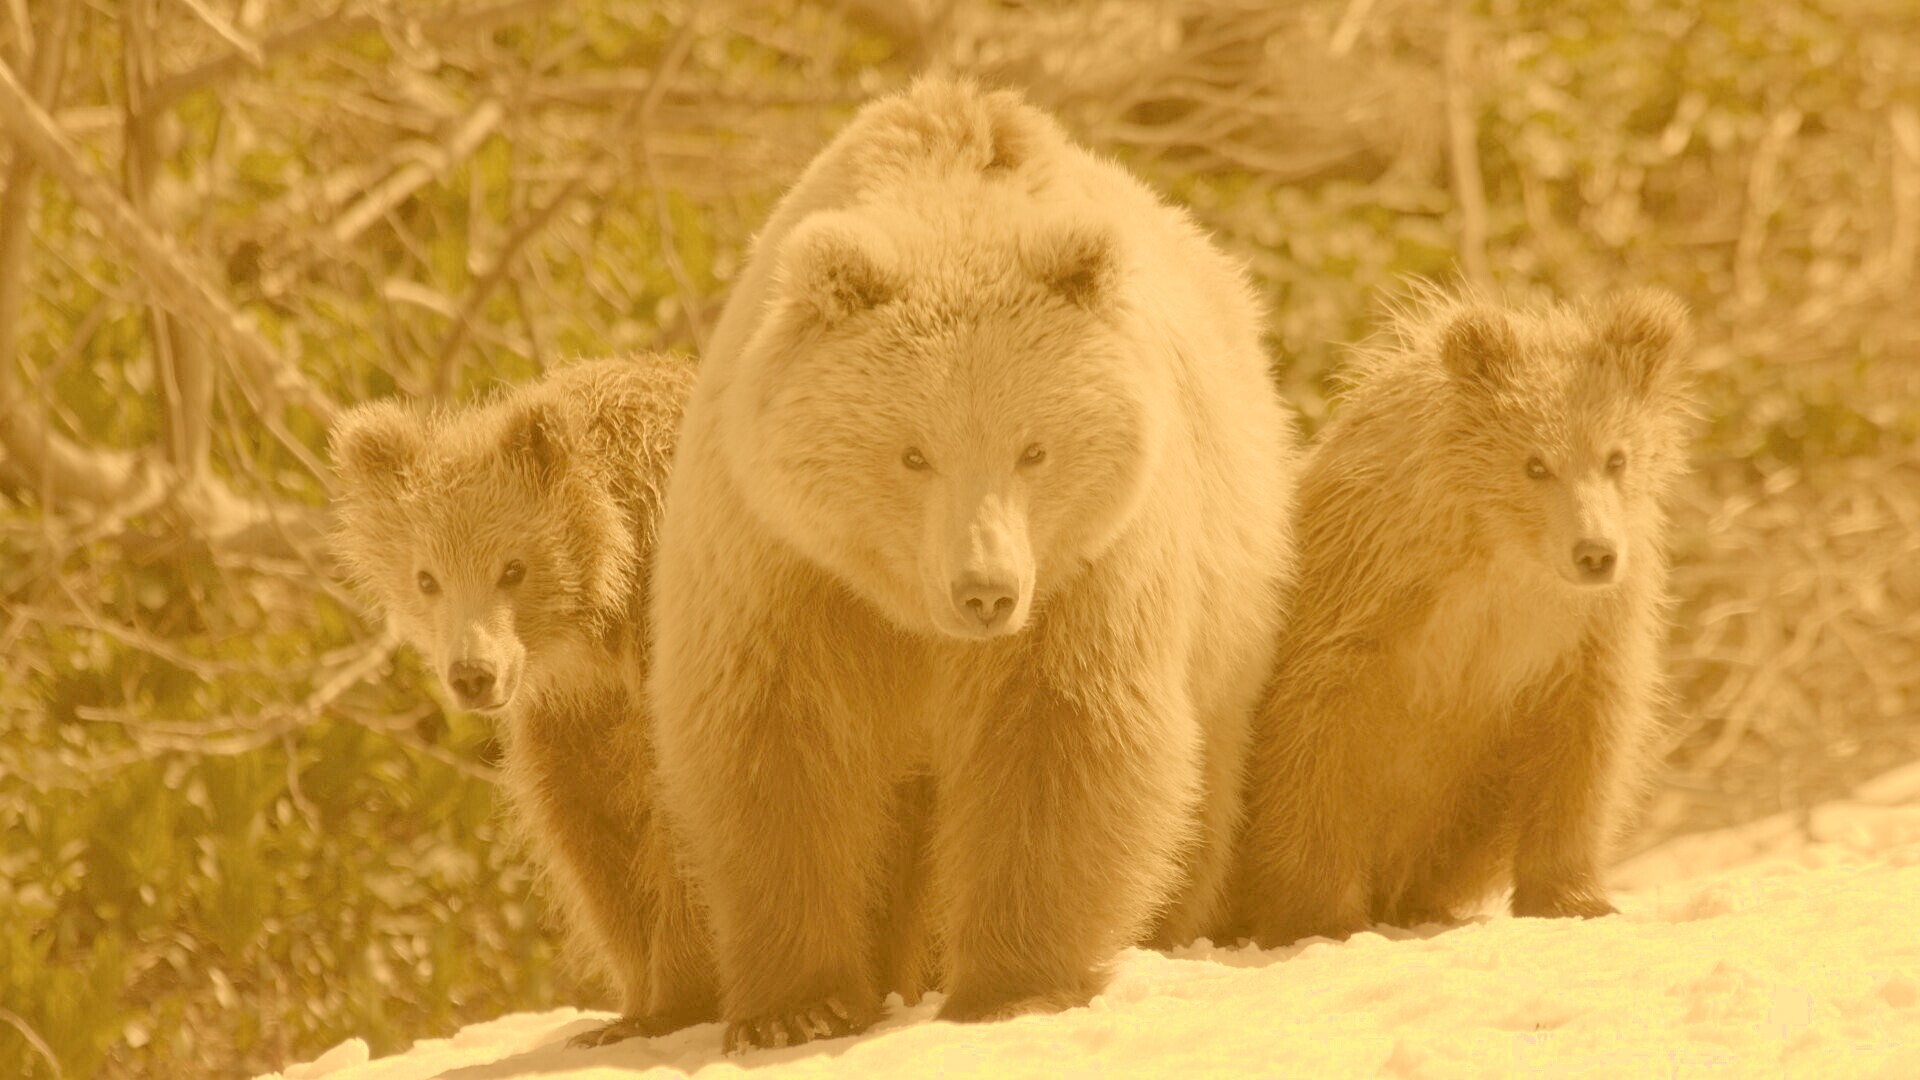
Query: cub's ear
(1479, 348)
(536, 440)
(1079, 263)
(375, 445)
(1645, 333)
(836, 266)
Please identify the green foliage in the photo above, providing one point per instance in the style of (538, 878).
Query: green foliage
(218, 903)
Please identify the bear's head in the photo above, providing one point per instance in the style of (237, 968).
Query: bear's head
(1572, 426)
(948, 407)
(482, 537)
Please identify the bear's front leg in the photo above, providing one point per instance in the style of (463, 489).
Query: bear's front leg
(679, 988)
(1306, 855)
(1301, 874)
(1567, 758)
(779, 784)
(580, 770)
(1069, 780)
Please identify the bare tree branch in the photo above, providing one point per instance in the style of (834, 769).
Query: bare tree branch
(462, 320)
(669, 237)
(23, 27)
(242, 43)
(231, 735)
(1903, 239)
(1348, 30)
(639, 114)
(429, 161)
(1763, 199)
(1463, 142)
(37, 456)
(181, 367)
(331, 27)
(33, 1039)
(274, 378)
(115, 483)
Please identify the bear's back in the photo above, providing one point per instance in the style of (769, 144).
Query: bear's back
(626, 413)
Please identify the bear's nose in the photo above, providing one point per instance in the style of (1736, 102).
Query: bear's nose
(471, 679)
(1595, 559)
(984, 601)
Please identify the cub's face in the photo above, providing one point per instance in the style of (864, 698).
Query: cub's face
(460, 532)
(951, 428)
(1575, 431)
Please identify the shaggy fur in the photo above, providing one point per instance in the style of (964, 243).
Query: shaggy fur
(984, 480)
(1464, 692)
(511, 544)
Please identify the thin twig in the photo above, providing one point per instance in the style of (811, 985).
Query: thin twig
(33, 1039)
(1903, 239)
(333, 26)
(462, 320)
(182, 373)
(1348, 30)
(676, 55)
(244, 735)
(638, 114)
(244, 44)
(1763, 197)
(1463, 141)
(430, 160)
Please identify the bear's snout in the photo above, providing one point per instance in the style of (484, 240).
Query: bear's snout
(472, 682)
(985, 601)
(1595, 561)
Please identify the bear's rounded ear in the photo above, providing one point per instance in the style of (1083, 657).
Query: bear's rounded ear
(536, 440)
(1017, 130)
(1645, 333)
(1079, 263)
(375, 445)
(945, 125)
(1479, 348)
(836, 266)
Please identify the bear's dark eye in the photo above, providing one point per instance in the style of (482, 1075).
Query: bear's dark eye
(1034, 455)
(1537, 469)
(512, 574)
(914, 459)
(427, 584)
(1616, 461)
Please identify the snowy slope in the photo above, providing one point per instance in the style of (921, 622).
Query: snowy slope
(1789, 947)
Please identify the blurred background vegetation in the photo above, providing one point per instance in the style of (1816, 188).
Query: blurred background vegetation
(237, 825)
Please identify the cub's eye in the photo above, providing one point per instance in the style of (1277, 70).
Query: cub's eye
(1537, 469)
(914, 459)
(1616, 461)
(1033, 455)
(512, 574)
(427, 584)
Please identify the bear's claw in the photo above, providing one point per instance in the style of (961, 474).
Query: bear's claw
(1569, 904)
(827, 1019)
(627, 1027)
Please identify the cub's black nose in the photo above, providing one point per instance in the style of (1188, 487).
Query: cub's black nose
(470, 679)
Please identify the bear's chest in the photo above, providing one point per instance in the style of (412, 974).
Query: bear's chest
(1487, 638)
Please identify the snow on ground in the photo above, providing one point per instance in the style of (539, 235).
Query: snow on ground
(1788, 947)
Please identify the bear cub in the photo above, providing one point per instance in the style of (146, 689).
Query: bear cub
(511, 543)
(1465, 693)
